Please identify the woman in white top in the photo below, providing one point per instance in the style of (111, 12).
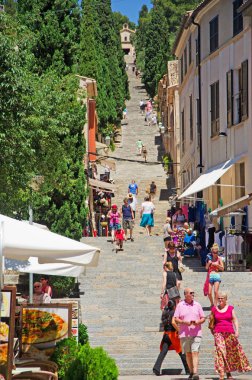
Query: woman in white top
(147, 215)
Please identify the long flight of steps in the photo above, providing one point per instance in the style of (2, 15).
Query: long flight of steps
(121, 304)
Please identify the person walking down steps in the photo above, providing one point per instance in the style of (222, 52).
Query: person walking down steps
(144, 153)
(170, 340)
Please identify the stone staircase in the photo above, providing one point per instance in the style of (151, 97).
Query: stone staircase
(121, 304)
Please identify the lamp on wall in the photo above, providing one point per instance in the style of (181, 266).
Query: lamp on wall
(223, 134)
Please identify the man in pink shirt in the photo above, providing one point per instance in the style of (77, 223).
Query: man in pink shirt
(189, 315)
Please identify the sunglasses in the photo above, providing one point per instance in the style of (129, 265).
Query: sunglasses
(37, 286)
(192, 293)
(221, 298)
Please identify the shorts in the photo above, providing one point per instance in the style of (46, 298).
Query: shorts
(114, 226)
(214, 277)
(190, 344)
(128, 224)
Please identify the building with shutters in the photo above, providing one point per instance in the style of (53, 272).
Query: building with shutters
(214, 47)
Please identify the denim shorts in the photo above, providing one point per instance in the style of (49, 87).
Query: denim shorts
(190, 344)
(214, 277)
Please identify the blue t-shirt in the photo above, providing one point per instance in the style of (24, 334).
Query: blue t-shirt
(133, 188)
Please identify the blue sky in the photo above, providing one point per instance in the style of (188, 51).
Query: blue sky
(130, 8)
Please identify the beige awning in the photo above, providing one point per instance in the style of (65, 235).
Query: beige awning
(101, 185)
(233, 206)
(107, 161)
(210, 177)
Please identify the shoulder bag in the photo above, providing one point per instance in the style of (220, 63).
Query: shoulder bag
(211, 323)
(181, 267)
(173, 292)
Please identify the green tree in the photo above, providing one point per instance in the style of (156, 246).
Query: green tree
(93, 63)
(156, 49)
(10, 6)
(41, 123)
(155, 37)
(121, 19)
(110, 38)
(56, 27)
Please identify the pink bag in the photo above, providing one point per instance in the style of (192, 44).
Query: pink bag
(206, 285)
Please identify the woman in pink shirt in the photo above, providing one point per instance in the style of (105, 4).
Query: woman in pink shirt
(229, 355)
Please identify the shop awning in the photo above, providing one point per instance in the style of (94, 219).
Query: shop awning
(210, 177)
(233, 206)
(101, 185)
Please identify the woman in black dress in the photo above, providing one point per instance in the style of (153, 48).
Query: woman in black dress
(175, 258)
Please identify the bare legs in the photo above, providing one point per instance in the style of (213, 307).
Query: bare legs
(192, 359)
(148, 230)
(214, 286)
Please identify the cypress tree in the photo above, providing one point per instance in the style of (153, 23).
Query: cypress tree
(93, 63)
(113, 53)
(156, 49)
(56, 26)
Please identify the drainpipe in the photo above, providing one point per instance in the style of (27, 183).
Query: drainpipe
(199, 86)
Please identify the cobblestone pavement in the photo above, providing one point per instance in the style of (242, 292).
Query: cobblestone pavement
(121, 301)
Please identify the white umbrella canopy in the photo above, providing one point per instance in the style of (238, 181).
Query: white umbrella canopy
(21, 241)
(51, 269)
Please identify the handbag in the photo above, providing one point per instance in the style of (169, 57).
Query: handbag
(173, 292)
(211, 323)
(181, 267)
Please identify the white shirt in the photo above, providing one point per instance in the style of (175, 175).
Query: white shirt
(148, 207)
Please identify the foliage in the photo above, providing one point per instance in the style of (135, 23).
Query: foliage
(64, 354)
(83, 334)
(10, 6)
(113, 52)
(41, 124)
(122, 19)
(56, 27)
(155, 37)
(156, 50)
(92, 364)
(94, 64)
(62, 286)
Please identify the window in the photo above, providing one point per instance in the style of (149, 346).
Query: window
(244, 90)
(183, 132)
(214, 34)
(215, 111)
(237, 17)
(191, 118)
(125, 39)
(190, 50)
(185, 61)
(230, 98)
(196, 52)
(182, 68)
(240, 179)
